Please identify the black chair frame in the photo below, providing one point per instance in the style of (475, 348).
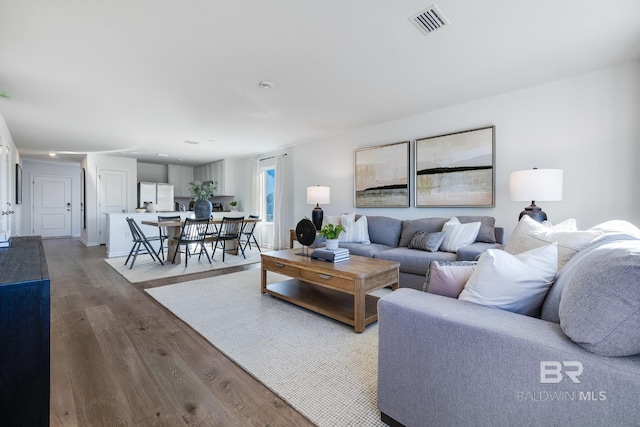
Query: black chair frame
(194, 231)
(248, 234)
(162, 231)
(141, 244)
(230, 229)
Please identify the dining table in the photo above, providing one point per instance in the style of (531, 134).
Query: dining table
(173, 233)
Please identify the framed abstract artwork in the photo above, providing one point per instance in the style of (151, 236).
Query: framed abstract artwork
(382, 176)
(456, 169)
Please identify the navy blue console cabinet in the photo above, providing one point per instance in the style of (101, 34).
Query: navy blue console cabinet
(24, 334)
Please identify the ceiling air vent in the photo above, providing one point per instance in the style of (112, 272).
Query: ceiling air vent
(429, 20)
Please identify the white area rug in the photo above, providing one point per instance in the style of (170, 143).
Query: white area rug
(147, 269)
(319, 366)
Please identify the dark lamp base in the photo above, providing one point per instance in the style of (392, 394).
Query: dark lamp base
(534, 212)
(316, 217)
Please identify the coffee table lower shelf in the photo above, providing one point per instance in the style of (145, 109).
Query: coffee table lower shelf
(330, 303)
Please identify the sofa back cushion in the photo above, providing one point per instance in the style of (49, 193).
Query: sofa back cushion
(487, 232)
(600, 302)
(384, 230)
(411, 227)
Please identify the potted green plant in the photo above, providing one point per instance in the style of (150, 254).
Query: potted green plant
(331, 233)
(234, 206)
(201, 193)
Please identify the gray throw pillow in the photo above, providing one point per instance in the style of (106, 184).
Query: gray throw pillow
(427, 241)
(600, 304)
(411, 227)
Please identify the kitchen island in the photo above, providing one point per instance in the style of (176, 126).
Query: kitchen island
(119, 241)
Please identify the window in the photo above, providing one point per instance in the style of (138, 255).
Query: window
(269, 193)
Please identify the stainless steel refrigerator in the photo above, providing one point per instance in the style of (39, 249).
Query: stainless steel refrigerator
(159, 193)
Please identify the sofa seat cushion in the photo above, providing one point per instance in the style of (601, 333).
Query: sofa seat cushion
(414, 261)
(600, 303)
(361, 249)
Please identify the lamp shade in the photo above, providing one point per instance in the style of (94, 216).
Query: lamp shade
(318, 195)
(536, 184)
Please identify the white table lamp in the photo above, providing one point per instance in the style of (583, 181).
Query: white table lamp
(535, 184)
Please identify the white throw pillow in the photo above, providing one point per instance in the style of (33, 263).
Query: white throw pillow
(517, 283)
(530, 234)
(355, 231)
(331, 219)
(457, 235)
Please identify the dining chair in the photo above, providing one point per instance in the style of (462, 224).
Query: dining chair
(248, 235)
(229, 230)
(162, 231)
(141, 243)
(193, 232)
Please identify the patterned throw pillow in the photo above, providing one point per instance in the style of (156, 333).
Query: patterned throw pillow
(427, 241)
(355, 231)
(458, 235)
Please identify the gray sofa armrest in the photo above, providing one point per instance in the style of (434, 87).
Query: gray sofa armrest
(448, 362)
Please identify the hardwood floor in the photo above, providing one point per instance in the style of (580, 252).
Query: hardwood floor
(120, 358)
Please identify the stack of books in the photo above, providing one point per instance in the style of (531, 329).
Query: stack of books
(331, 255)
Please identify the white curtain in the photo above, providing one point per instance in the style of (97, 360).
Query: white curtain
(282, 206)
(255, 207)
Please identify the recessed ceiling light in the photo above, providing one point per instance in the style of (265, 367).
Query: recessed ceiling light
(162, 155)
(53, 155)
(265, 84)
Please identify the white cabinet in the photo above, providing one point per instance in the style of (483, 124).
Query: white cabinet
(180, 176)
(222, 171)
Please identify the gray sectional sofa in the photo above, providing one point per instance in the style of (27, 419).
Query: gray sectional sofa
(449, 362)
(390, 238)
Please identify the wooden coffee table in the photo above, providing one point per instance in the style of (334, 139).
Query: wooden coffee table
(339, 291)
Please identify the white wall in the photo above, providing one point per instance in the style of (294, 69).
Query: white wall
(588, 125)
(92, 164)
(8, 190)
(31, 167)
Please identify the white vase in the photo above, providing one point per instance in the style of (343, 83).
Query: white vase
(332, 243)
(151, 207)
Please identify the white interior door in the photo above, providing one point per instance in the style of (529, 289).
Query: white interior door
(51, 206)
(112, 198)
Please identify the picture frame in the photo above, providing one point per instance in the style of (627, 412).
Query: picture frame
(456, 169)
(18, 184)
(382, 176)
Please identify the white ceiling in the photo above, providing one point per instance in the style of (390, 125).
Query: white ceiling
(139, 77)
